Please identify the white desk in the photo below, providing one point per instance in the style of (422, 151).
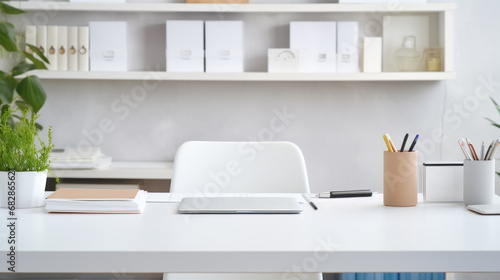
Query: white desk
(344, 235)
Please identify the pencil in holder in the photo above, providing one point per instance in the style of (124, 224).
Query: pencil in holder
(479, 181)
(400, 178)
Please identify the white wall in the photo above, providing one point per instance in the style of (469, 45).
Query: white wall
(338, 125)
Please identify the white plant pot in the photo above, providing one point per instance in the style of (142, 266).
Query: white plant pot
(29, 189)
(8, 61)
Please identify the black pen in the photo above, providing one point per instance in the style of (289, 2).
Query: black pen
(346, 193)
(308, 200)
(413, 144)
(404, 143)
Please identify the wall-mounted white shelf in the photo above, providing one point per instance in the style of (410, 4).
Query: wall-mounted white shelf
(231, 8)
(248, 76)
(444, 12)
(120, 170)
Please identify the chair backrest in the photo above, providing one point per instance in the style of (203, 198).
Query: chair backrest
(239, 167)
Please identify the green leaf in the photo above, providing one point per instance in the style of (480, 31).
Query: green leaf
(4, 109)
(22, 105)
(38, 64)
(493, 122)
(22, 67)
(8, 36)
(31, 91)
(496, 104)
(7, 86)
(8, 9)
(38, 52)
(38, 126)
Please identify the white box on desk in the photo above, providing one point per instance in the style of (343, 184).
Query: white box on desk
(185, 50)
(108, 46)
(224, 46)
(347, 47)
(443, 181)
(318, 39)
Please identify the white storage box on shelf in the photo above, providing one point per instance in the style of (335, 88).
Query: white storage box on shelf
(283, 60)
(318, 40)
(347, 47)
(224, 47)
(108, 46)
(185, 51)
(372, 54)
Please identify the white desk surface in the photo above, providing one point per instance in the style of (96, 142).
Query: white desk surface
(344, 235)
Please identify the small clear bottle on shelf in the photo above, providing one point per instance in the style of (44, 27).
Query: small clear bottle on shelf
(408, 56)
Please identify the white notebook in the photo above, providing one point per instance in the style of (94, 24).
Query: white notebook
(485, 209)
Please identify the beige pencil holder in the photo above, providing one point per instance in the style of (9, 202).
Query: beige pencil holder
(400, 178)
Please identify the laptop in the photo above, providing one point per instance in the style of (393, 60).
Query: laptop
(239, 205)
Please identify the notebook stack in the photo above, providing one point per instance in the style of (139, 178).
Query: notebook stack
(103, 201)
(76, 158)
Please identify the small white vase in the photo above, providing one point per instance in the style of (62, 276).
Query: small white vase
(29, 189)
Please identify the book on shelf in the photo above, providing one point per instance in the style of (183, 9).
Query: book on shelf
(75, 158)
(99, 201)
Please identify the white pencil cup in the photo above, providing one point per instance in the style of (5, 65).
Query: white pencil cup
(479, 181)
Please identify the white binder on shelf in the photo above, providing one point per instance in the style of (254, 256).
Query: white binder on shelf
(72, 48)
(52, 47)
(41, 39)
(62, 48)
(83, 48)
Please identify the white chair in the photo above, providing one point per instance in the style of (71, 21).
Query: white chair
(239, 167)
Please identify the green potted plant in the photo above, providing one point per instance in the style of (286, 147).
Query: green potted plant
(493, 123)
(17, 89)
(24, 161)
(24, 158)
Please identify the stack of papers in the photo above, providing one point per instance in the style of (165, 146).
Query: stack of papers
(96, 201)
(75, 158)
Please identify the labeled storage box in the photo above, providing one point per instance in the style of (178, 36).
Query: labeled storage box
(347, 47)
(318, 40)
(224, 46)
(443, 181)
(185, 51)
(108, 46)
